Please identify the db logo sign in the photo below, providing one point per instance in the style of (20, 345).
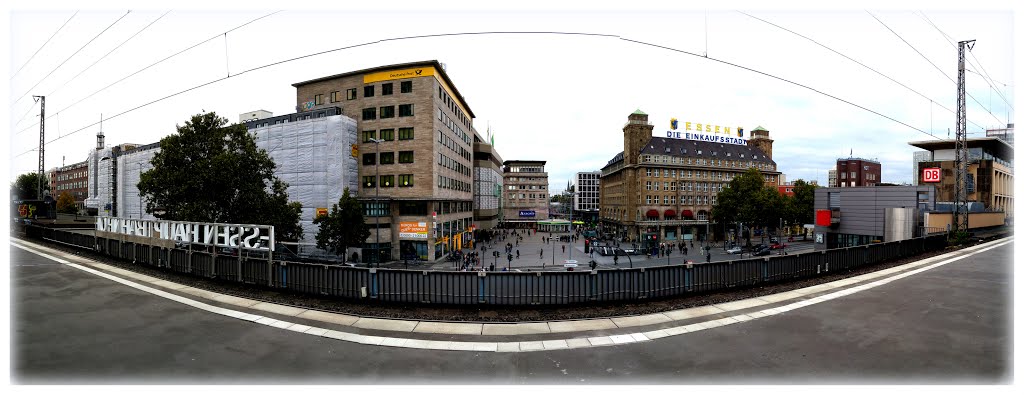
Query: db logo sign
(932, 174)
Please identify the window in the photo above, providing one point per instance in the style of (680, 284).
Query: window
(405, 110)
(386, 181)
(387, 112)
(387, 158)
(369, 114)
(369, 182)
(318, 99)
(406, 86)
(648, 186)
(369, 159)
(387, 89)
(405, 133)
(853, 174)
(369, 135)
(368, 91)
(405, 180)
(405, 157)
(335, 96)
(350, 94)
(387, 134)
(842, 175)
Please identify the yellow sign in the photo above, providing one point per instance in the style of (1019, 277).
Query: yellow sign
(706, 128)
(415, 230)
(320, 212)
(355, 150)
(413, 73)
(398, 74)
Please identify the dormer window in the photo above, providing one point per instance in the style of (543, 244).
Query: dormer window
(698, 152)
(743, 155)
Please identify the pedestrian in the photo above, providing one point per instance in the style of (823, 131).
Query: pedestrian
(685, 250)
(616, 259)
(563, 249)
(541, 253)
(517, 242)
(709, 256)
(517, 253)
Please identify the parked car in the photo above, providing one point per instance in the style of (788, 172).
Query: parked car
(777, 246)
(763, 251)
(734, 250)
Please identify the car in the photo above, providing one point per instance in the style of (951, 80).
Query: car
(773, 240)
(778, 246)
(734, 250)
(762, 252)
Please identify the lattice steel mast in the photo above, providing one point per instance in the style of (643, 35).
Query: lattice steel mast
(961, 161)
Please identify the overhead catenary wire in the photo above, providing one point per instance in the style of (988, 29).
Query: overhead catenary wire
(72, 55)
(110, 52)
(857, 62)
(44, 45)
(933, 64)
(489, 33)
(987, 77)
(151, 65)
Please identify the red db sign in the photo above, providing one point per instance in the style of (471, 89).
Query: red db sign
(933, 174)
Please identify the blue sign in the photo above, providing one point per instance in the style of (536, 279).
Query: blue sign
(527, 213)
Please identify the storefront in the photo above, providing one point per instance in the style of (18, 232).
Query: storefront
(553, 226)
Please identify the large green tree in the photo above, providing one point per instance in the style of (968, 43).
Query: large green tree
(25, 187)
(748, 199)
(343, 227)
(802, 204)
(66, 204)
(210, 171)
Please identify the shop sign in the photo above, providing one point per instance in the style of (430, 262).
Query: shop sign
(321, 211)
(711, 138)
(255, 237)
(527, 213)
(413, 230)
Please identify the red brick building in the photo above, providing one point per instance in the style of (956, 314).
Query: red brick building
(857, 172)
(73, 179)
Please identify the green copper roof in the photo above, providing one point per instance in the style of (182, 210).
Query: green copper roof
(759, 128)
(638, 112)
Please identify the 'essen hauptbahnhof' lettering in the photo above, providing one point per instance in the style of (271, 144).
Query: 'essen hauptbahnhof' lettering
(254, 237)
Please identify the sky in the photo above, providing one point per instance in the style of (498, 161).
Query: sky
(563, 98)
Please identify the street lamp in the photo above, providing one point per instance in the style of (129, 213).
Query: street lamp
(376, 196)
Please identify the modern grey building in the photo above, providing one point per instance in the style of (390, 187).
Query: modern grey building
(587, 199)
(847, 217)
(920, 156)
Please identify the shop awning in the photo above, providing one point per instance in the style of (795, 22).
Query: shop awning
(688, 213)
(670, 213)
(652, 213)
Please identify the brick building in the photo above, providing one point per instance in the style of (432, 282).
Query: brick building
(854, 172)
(526, 193)
(665, 187)
(73, 179)
(424, 129)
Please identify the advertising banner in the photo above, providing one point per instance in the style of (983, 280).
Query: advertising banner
(414, 230)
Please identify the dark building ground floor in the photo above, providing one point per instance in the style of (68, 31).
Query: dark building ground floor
(425, 230)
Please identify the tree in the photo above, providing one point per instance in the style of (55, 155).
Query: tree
(210, 171)
(750, 201)
(25, 187)
(803, 203)
(343, 227)
(66, 204)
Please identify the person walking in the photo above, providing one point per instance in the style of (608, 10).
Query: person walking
(517, 253)
(541, 253)
(709, 256)
(563, 248)
(685, 250)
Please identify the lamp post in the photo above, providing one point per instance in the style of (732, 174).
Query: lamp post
(376, 197)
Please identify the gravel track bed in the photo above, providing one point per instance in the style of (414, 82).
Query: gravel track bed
(485, 313)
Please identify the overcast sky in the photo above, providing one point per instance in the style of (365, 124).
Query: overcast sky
(555, 97)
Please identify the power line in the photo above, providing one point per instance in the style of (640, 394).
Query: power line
(488, 33)
(44, 44)
(986, 76)
(72, 55)
(108, 53)
(857, 62)
(154, 64)
(933, 64)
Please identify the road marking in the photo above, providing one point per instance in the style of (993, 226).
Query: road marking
(525, 346)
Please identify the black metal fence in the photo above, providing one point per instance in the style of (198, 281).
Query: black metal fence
(498, 288)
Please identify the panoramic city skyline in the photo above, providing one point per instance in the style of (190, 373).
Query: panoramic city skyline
(544, 95)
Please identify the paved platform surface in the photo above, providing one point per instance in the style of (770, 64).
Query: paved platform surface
(946, 324)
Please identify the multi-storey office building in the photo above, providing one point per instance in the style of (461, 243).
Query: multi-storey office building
(526, 193)
(488, 184)
(73, 179)
(422, 127)
(1004, 134)
(662, 188)
(920, 156)
(989, 178)
(858, 172)
(832, 178)
(587, 198)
